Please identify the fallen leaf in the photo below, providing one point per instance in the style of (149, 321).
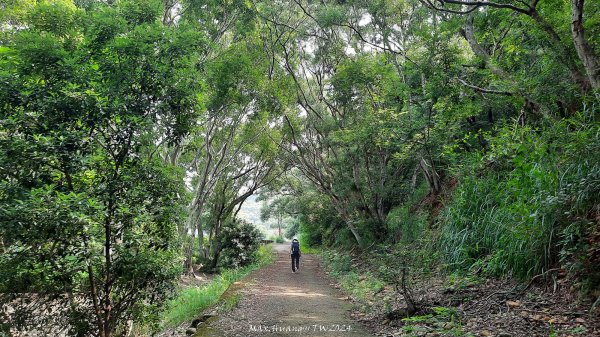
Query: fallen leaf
(513, 304)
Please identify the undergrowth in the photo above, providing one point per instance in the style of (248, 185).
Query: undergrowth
(524, 206)
(190, 301)
(306, 249)
(361, 285)
(441, 320)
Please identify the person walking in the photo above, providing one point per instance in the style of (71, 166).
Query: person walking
(295, 254)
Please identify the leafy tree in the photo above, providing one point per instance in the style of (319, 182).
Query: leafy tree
(129, 129)
(89, 215)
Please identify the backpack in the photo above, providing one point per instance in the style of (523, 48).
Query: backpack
(295, 247)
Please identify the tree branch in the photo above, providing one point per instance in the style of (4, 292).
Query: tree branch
(474, 5)
(483, 90)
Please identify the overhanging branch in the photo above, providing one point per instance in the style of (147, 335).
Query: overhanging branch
(483, 90)
(473, 5)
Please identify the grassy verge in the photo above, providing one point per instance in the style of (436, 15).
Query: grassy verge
(190, 301)
(310, 250)
(361, 285)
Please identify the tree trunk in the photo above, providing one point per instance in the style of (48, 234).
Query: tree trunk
(279, 223)
(584, 50)
(215, 257)
(431, 175)
(411, 307)
(413, 181)
(172, 156)
(357, 236)
(468, 32)
(106, 301)
(215, 247)
(189, 261)
(193, 217)
(200, 230)
(346, 217)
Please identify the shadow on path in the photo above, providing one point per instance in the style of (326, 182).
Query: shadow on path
(278, 303)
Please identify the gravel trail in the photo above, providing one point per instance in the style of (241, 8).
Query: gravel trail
(277, 302)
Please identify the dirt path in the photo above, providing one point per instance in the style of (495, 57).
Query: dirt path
(278, 302)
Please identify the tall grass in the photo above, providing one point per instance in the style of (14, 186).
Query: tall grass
(407, 222)
(191, 301)
(514, 203)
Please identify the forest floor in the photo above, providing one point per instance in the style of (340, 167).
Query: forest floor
(491, 308)
(273, 301)
(453, 305)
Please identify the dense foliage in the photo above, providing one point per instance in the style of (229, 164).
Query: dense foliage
(132, 131)
(239, 241)
(472, 123)
(536, 208)
(89, 213)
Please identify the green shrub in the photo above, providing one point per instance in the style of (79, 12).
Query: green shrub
(405, 225)
(240, 241)
(306, 249)
(277, 239)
